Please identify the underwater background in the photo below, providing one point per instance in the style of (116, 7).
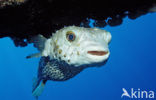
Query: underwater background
(132, 64)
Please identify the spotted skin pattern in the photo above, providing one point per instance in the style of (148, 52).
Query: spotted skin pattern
(56, 70)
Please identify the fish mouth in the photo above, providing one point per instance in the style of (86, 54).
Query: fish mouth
(98, 53)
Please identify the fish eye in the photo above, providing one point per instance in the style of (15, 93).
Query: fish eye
(70, 36)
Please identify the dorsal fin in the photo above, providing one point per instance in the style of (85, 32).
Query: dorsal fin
(39, 42)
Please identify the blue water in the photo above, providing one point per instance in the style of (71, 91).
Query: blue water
(132, 64)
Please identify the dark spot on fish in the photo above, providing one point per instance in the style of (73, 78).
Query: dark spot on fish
(60, 51)
(60, 58)
(78, 53)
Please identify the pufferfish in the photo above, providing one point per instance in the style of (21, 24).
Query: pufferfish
(69, 51)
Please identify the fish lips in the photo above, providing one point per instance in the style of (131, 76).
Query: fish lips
(98, 53)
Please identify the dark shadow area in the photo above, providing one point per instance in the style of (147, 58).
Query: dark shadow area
(33, 17)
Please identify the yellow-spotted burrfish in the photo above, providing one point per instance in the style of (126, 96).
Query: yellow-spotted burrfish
(69, 51)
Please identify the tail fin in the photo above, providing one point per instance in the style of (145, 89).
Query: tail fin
(38, 87)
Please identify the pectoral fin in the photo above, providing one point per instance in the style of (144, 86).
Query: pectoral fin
(36, 55)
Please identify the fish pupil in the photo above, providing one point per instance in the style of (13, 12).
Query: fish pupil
(71, 37)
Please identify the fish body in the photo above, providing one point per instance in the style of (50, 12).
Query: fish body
(69, 51)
